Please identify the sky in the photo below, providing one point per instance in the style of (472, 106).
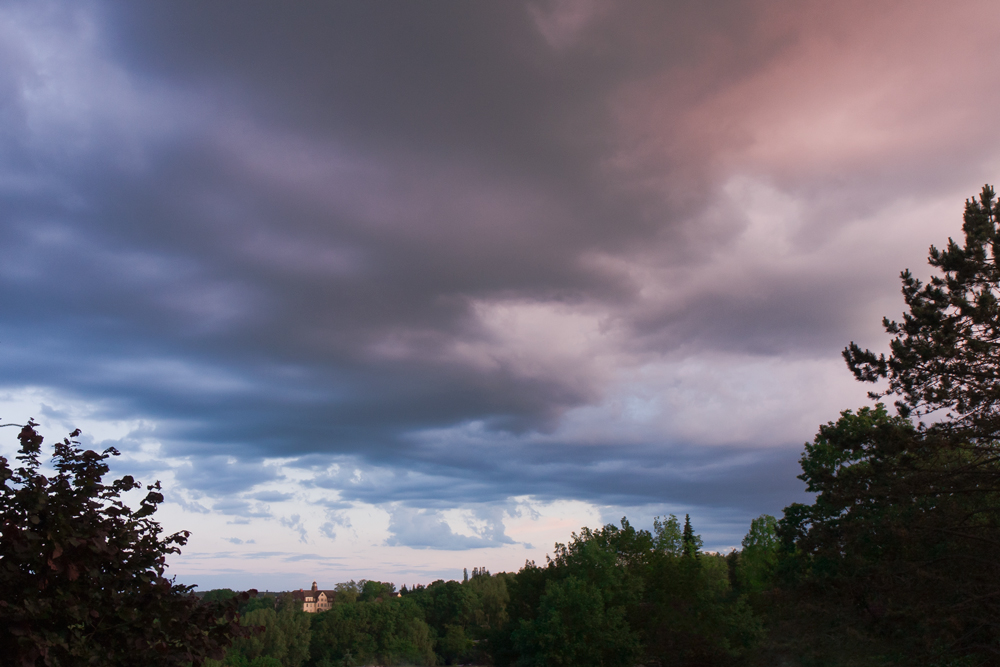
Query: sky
(388, 289)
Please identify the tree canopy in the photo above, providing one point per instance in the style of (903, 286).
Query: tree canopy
(906, 520)
(82, 576)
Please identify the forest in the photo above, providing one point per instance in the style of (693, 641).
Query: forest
(893, 563)
(598, 601)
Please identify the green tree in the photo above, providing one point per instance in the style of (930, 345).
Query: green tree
(620, 596)
(576, 609)
(82, 576)
(282, 636)
(389, 632)
(689, 614)
(576, 626)
(375, 590)
(901, 530)
(493, 596)
(454, 645)
(759, 555)
(667, 535)
(447, 603)
(907, 515)
(218, 594)
(258, 602)
(347, 592)
(691, 544)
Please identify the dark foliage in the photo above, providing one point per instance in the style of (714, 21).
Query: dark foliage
(82, 575)
(900, 543)
(904, 530)
(611, 596)
(375, 590)
(618, 596)
(945, 354)
(389, 631)
(454, 612)
(282, 636)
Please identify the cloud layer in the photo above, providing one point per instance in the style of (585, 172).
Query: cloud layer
(306, 260)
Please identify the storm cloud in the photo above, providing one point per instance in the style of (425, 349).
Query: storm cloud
(432, 256)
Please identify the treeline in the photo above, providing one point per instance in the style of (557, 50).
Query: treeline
(611, 596)
(370, 623)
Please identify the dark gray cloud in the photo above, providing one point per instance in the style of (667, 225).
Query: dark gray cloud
(606, 475)
(323, 230)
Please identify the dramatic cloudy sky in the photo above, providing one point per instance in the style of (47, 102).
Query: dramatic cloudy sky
(387, 289)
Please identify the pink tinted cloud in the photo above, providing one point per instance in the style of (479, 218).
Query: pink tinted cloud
(810, 89)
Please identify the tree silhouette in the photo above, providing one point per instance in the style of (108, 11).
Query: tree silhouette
(82, 575)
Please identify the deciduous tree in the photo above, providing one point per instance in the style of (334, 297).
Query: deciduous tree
(82, 576)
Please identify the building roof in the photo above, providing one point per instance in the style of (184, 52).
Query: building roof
(302, 594)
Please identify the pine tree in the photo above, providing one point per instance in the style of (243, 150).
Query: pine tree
(945, 354)
(691, 543)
